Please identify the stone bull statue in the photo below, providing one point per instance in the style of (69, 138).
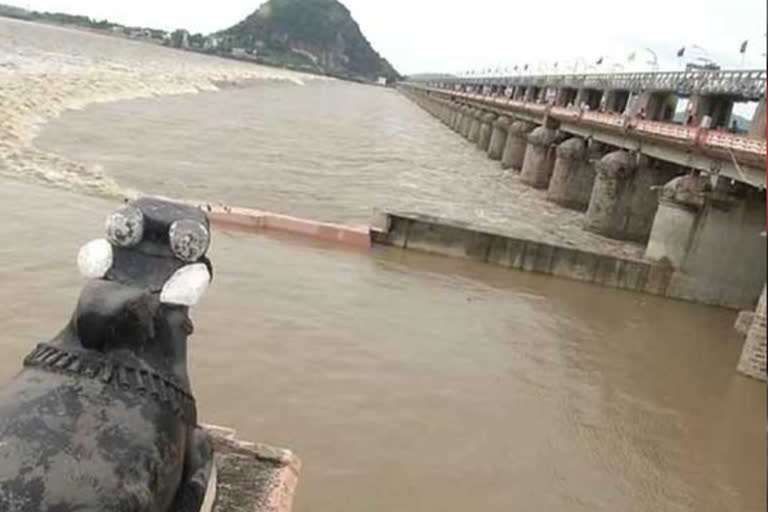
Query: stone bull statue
(102, 417)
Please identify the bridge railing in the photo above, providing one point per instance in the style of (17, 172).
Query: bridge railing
(747, 84)
(716, 140)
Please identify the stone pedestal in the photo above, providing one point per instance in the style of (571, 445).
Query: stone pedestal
(252, 477)
(486, 127)
(498, 138)
(573, 176)
(474, 127)
(514, 148)
(539, 159)
(753, 356)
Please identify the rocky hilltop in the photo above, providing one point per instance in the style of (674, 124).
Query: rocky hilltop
(317, 35)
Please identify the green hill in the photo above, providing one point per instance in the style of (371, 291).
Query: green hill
(315, 34)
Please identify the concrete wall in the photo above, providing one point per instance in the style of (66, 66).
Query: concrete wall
(458, 239)
(461, 240)
(753, 356)
(726, 261)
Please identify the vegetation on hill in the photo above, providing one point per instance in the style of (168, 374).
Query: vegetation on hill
(316, 33)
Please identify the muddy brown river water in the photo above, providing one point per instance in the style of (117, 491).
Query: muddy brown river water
(405, 382)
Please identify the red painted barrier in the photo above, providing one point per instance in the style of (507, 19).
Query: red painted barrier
(256, 220)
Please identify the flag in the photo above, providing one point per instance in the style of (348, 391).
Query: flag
(515, 67)
(555, 65)
(525, 67)
(681, 52)
(743, 48)
(599, 61)
(632, 57)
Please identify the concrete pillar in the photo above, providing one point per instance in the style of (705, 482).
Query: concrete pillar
(573, 176)
(466, 121)
(753, 355)
(539, 158)
(680, 202)
(514, 148)
(726, 260)
(758, 126)
(461, 113)
(474, 127)
(498, 138)
(604, 214)
(624, 198)
(454, 107)
(486, 128)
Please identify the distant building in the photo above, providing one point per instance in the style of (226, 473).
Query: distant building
(239, 52)
(382, 80)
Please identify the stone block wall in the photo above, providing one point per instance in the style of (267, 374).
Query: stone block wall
(753, 356)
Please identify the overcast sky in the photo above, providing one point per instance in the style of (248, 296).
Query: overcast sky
(441, 35)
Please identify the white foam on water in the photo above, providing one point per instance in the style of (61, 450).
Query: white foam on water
(45, 71)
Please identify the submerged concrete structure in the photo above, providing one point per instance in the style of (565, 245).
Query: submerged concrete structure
(692, 193)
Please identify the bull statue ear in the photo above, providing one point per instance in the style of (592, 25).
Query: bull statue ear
(186, 286)
(95, 259)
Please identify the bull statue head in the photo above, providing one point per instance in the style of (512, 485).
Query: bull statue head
(102, 417)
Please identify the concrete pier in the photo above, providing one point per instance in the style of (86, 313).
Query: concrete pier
(514, 149)
(753, 356)
(467, 117)
(680, 202)
(539, 160)
(726, 258)
(455, 113)
(498, 138)
(486, 129)
(474, 127)
(573, 176)
(623, 203)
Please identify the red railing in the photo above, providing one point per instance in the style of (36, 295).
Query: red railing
(688, 135)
